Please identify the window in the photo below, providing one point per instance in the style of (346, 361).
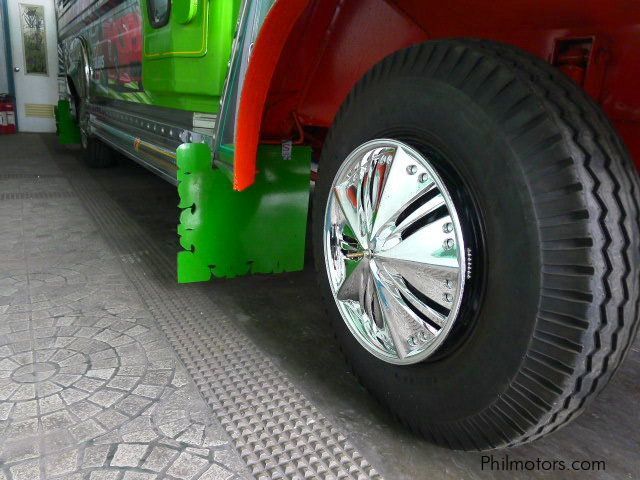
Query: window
(159, 11)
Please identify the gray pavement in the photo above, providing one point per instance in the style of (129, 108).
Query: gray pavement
(110, 370)
(89, 386)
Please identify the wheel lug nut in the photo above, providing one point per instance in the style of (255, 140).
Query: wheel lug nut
(447, 297)
(412, 341)
(423, 336)
(448, 283)
(448, 244)
(423, 177)
(447, 227)
(411, 169)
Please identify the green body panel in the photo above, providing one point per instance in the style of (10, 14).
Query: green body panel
(226, 233)
(66, 127)
(184, 63)
(115, 53)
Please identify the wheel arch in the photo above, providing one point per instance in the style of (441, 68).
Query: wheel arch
(73, 90)
(78, 67)
(286, 67)
(310, 54)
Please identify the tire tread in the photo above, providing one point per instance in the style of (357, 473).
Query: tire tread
(570, 358)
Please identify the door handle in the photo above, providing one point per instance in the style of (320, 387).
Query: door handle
(16, 69)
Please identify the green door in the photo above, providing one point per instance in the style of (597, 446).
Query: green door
(187, 46)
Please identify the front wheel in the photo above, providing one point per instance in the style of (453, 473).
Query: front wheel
(476, 231)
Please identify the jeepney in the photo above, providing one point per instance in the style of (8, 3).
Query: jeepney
(475, 210)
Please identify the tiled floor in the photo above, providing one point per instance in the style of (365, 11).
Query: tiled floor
(89, 387)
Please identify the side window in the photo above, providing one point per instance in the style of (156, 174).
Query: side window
(159, 11)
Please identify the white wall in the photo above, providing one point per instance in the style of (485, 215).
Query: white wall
(4, 87)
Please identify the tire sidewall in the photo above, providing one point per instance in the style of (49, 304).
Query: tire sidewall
(426, 110)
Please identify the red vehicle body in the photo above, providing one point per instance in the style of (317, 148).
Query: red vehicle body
(125, 35)
(121, 49)
(309, 55)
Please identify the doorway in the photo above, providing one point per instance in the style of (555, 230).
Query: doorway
(34, 51)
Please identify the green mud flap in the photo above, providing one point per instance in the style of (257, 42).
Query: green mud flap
(66, 127)
(226, 233)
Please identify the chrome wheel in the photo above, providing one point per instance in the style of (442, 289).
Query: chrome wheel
(394, 251)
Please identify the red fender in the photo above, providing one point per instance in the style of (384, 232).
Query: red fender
(310, 53)
(264, 59)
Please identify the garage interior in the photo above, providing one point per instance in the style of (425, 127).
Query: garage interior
(227, 379)
(112, 370)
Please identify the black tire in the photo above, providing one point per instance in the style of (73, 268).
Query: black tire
(557, 196)
(95, 154)
(98, 155)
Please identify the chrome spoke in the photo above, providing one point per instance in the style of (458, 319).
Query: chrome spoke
(435, 282)
(432, 314)
(373, 183)
(369, 298)
(370, 318)
(356, 273)
(429, 245)
(431, 206)
(433, 320)
(394, 252)
(406, 329)
(346, 195)
(401, 188)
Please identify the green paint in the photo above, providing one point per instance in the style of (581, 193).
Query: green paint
(66, 127)
(350, 266)
(226, 233)
(186, 10)
(184, 63)
(442, 253)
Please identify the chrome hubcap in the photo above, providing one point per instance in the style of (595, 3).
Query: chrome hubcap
(394, 251)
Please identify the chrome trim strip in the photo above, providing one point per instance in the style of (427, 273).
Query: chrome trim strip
(159, 160)
(161, 132)
(171, 116)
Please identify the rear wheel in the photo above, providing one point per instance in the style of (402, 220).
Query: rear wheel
(476, 231)
(95, 153)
